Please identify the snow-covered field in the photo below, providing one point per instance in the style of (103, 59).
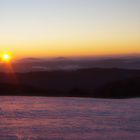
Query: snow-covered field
(43, 118)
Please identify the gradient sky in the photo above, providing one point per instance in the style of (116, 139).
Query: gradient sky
(52, 28)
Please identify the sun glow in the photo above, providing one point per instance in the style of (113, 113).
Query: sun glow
(6, 57)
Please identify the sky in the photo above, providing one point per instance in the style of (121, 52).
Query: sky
(69, 28)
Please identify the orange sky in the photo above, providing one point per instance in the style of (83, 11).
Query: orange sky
(70, 29)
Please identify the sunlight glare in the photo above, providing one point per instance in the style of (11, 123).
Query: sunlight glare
(6, 57)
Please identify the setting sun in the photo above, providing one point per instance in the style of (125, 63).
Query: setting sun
(6, 57)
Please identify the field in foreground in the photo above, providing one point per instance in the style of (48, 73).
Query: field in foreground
(36, 118)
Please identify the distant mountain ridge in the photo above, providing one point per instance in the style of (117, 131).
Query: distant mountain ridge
(62, 63)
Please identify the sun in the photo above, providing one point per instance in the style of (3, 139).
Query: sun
(6, 57)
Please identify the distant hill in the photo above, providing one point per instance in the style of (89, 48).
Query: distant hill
(29, 60)
(62, 63)
(94, 82)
